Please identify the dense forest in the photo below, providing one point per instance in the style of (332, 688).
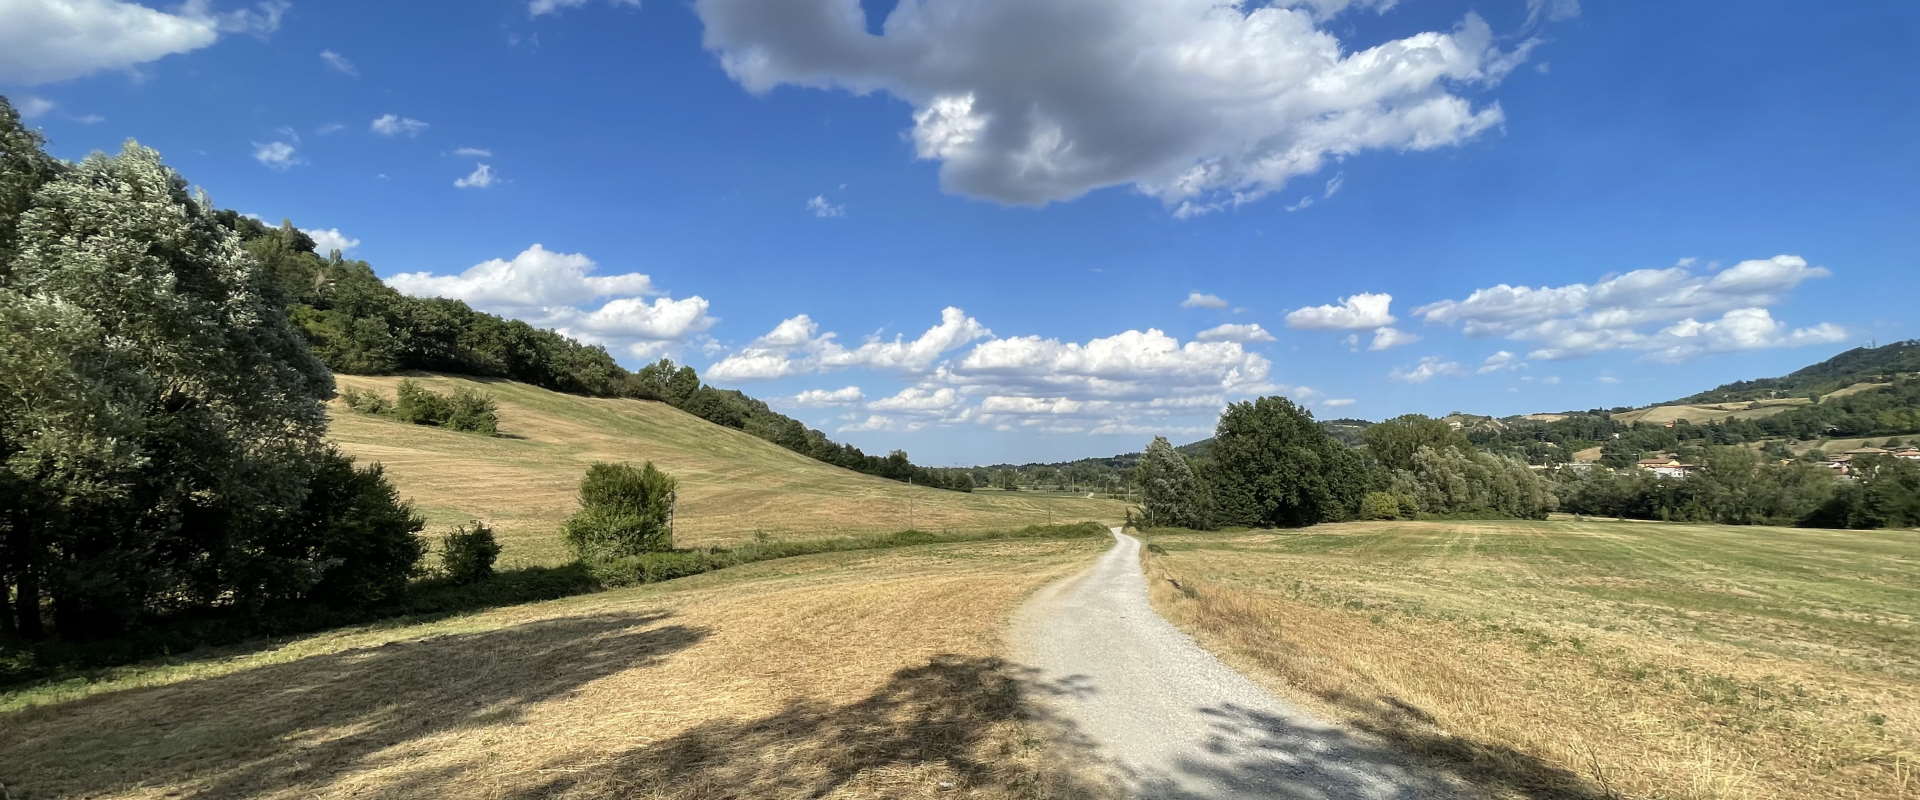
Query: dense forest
(357, 324)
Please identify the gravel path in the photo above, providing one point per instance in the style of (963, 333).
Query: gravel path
(1176, 722)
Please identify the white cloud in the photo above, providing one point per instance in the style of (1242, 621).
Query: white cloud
(473, 152)
(31, 106)
(44, 41)
(823, 209)
(327, 240)
(260, 21)
(330, 128)
(1250, 332)
(795, 347)
(814, 398)
(1387, 338)
(919, 400)
(1131, 364)
(396, 125)
(1430, 367)
(1606, 379)
(1201, 105)
(1359, 312)
(339, 63)
(1203, 300)
(537, 8)
(551, 289)
(276, 155)
(1617, 312)
(1337, 402)
(480, 178)
(1500, 362)
(1333, 185)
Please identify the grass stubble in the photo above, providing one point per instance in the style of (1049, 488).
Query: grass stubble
(846, 675)
(1589, 659)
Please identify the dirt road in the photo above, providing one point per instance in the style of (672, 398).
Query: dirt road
(1176, 722)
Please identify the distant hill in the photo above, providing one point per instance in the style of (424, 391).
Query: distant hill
(1859, 365)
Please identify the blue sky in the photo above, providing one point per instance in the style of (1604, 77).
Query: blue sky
(1563, 205)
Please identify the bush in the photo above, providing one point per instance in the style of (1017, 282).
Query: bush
(468, 410)
(361, 532)
(1379, 505)
(467, 554)
(366, 402)
(624, 511)
(419, 405)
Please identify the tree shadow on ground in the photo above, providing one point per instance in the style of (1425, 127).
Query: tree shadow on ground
(963, 722)
(302, 724)
(1252, 753)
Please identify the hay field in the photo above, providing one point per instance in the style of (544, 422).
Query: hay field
(852, 675)
(1709, 412)
(732, 485)
(1584, 660)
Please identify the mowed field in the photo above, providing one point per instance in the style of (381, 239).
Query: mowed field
(1709, 412)
(1584, 659)
(733, 486)
(850, 675)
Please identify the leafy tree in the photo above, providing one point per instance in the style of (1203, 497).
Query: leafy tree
(1006, 480)
(1394, 442)
(624, 511)
(467, 553)
(1273, 466)
(1171, 496)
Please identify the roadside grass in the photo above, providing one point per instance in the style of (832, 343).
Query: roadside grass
(212, 634)
(1583, 659)
(734, 487)
(856, 674)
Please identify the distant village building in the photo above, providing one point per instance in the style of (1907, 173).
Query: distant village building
(1667, 466)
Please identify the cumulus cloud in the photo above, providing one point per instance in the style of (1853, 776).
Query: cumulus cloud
(1389, 338)
(44, 41)
(1430, 367)
(816, 398)
(797, 346)
(1203, 300)
(1500, 362)
(1337, 402)
(819, 207)
(919, 400)
(396, 125)
(276, 155)
(1250, 332)
(480, 178)
(1201, 105)
(339, 63)
(1621, 312)
(554, 290)
(473, 152)
(327, 240)
(1359, 312)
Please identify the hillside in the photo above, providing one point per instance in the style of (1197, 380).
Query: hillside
(1859, 365)
(733, 486)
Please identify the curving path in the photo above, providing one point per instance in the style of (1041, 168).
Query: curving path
(1176, 722)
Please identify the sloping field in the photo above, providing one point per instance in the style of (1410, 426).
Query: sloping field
(1585, 660)
(733, 486)
(851, 675)
(1709, 412)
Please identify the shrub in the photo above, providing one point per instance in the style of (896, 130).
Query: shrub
(366, 402)
(468, 410)
(361, 532)
(1379, 505)
(624, 511)
(467, 554)
(419, 405)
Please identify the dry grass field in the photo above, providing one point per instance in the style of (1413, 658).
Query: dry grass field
(851, 675)
(1584, 660)
(1709, 412)
(733, 486)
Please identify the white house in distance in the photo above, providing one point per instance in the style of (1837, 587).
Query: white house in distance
(1667, 466)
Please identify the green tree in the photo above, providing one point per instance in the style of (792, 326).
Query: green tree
(624, 511)
(1394, 441)
(1272, 465)
(1171, 496)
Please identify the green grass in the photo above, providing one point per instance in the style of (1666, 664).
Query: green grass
(734, 487)
(1645, 659)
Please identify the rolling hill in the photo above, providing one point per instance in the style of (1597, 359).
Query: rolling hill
(733, 486)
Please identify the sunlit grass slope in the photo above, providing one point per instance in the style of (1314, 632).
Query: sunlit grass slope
(1586, 659)
(847, 675)
(733, 486)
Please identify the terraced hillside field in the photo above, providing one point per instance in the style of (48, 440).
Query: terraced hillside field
(733, 486)
(1585, 660)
